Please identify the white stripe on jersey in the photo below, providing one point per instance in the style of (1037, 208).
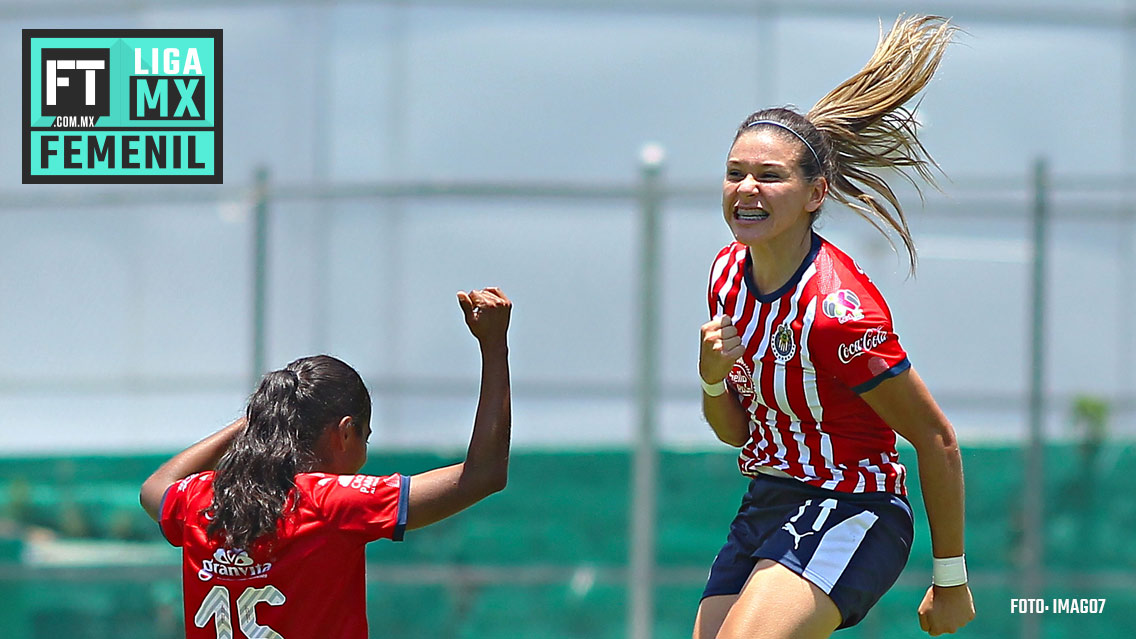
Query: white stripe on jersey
(780, 385)
(762, 432)
(766, 332)
(780, 388)
(739, 302)
(781, 397)
(826, 450)
(809, 382)
(716, 273)
(747, 339)
(769, 420)
(890, 463)
(779, 447)
(836, 548)
(804, 458)
(877, 472)
(735, 313)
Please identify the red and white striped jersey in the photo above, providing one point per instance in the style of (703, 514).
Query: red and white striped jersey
(811, 347)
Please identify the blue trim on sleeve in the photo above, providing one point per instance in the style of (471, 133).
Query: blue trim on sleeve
(888, 374)
(403, 506)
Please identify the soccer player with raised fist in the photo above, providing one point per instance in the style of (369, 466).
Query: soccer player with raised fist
(273, 539)
(802, 370)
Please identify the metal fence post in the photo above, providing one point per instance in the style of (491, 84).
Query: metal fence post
(1033, 514)
(645, 463)
(259, 275)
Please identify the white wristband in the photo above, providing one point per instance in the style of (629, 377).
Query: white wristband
(949, 571)
(713, 390)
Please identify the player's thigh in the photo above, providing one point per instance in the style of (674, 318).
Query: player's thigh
(711, 613)
(777, 603)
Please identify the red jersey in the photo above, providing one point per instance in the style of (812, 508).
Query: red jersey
(811, 347)
(314, 582)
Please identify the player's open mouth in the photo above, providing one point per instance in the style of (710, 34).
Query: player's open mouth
(750, 215)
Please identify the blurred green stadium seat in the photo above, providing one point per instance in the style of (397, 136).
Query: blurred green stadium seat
(554, 545)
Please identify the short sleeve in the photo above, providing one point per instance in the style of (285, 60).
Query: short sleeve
(372, 506)
(712, 298)
(722, 271)
(855, 341)
(176, 506)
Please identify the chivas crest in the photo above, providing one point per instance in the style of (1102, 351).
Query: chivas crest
(782, 344)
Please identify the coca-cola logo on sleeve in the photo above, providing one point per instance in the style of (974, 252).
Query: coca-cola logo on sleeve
(871, 338)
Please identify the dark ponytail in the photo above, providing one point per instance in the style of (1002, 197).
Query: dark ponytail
(286, 416)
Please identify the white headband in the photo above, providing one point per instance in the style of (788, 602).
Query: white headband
(799, 137)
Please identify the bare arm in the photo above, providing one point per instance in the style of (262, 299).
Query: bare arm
(726, 416)
(439, 493)
(907, 406)
(721, 347)
(203, 455)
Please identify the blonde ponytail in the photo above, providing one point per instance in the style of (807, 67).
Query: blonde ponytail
(865, 126)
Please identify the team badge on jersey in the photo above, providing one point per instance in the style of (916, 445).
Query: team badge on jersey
(843, 306)
(782, 344)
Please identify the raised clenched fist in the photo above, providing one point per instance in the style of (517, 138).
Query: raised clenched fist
(721, 347)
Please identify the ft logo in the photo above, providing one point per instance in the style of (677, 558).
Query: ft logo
(76, 84)
(122, 106)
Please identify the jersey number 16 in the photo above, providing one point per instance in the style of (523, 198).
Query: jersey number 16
(216, 606)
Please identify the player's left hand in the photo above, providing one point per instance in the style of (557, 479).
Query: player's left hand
(945, 610)
(486, 313)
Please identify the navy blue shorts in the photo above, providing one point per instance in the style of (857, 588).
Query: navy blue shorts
(850, 545)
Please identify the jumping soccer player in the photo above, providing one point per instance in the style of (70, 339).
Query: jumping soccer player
(272, 540)
(801, 368)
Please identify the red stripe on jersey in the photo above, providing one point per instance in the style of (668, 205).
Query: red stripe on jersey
(745, 320)
(771, 325)
(790, 384)
(751, 328)
(728, 294)
(810, 409)
(900, 477)
(721, 267)
(786, 446)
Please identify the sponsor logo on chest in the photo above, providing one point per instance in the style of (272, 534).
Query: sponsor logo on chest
(742, 379)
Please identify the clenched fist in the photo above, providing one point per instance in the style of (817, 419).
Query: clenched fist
(721, 347)
(945, 610)
(486, 313)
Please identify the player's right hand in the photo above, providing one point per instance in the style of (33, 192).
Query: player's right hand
(721, 347)
(486, 313)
